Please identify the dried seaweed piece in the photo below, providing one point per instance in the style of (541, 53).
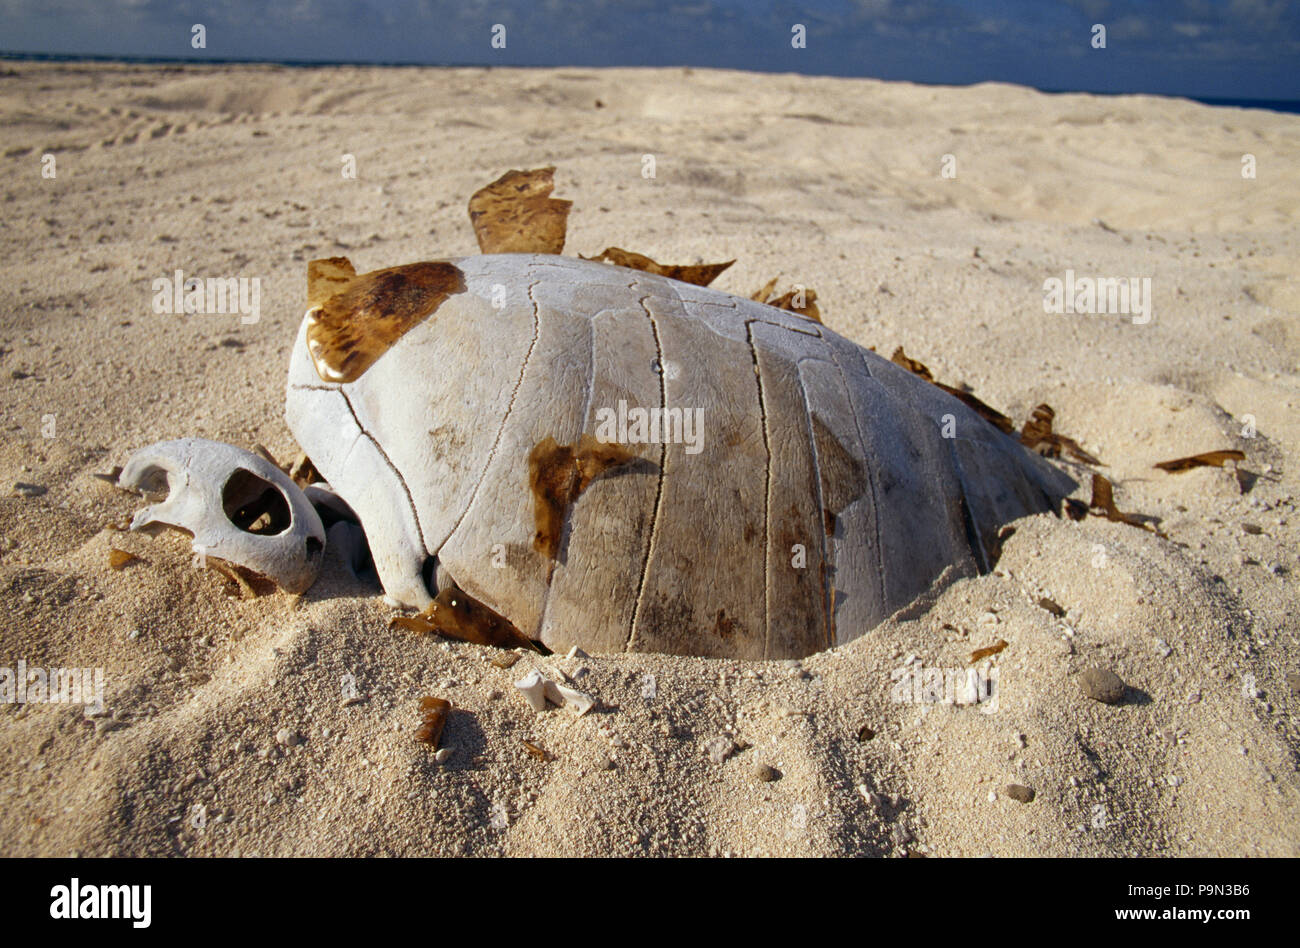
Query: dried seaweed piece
(1103, 499)
(558, 474)
(1205, 459)
(433, 717)
(982, 653)
(701, 274)
(350, 330)
(516, 214)
(786, 301)
(534, 750)
(985, 411)
(1037, 435)
(462, 617)
(117, 559)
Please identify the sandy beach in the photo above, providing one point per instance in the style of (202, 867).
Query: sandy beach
(924, 217)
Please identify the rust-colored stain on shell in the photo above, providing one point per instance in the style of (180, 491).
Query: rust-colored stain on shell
(516, 214)
(350, 329)
(462, 617)
(557, 474)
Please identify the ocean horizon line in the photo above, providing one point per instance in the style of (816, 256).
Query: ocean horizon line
(1282, 106)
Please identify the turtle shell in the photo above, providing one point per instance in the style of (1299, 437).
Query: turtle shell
(780, 489)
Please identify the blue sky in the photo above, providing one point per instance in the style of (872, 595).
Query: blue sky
(1205, 48)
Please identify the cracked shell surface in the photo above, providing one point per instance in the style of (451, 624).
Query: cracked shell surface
(820, 499)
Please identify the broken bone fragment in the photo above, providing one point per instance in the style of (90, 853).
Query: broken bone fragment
(533, 687)
(237, 506)
(537, 689)
(458, 616)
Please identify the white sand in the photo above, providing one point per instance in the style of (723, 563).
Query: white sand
(833, 183)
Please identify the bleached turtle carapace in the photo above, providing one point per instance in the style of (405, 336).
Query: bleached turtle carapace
(618, 460)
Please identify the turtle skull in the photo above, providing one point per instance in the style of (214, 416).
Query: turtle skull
(207, 483)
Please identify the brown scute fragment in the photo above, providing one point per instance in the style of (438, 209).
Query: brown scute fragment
(1051, 606)
(348, 332)
(557, 474)
(462, 617)
(1037, 435)
(516, 214)
(241, 582)
(987, 412)
(327, 278)
(982, 653)
(411, 624)
(865, 734)
(534, 750)
(785, 301)
(433, 717)
(505, 659)
(1074, 508)
(117, 559)
(916, 368)
(303, 472)
(1205, 459)
(701, 274)
(1103, 499)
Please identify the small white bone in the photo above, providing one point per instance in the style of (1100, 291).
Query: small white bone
(533, 687)
(537, 689)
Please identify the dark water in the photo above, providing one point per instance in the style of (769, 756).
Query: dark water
(1290, 106)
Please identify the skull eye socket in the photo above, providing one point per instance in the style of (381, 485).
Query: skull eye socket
(255, 505)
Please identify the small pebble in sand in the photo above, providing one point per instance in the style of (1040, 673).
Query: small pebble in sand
(286, 737)
(29, 490)
(1020, 793)
(1174, 780)
(1102, 684)
(766, 774)
(1163, 649)
(1051, 606)
(443, 755)
(719, 749)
